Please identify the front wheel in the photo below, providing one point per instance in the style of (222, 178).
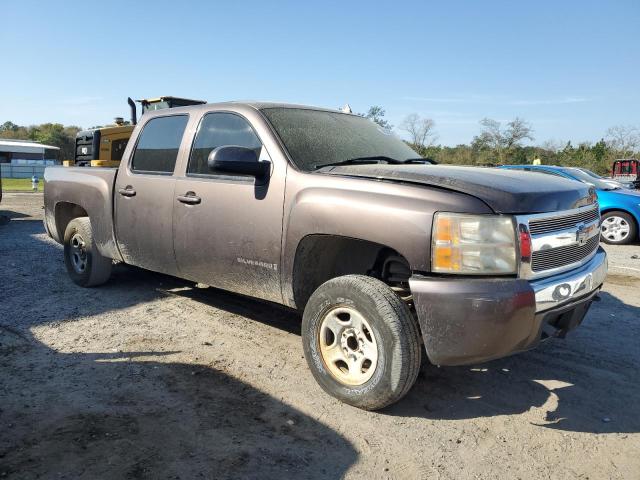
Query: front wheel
(361, 341)
(618, 228)
(86, 266)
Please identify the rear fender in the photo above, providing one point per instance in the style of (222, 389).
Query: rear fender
(90, 190)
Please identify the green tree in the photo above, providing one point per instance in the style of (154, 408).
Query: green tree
(599, 150)
(13, 131)
(8, 127)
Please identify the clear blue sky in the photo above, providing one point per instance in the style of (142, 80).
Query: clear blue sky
(571, 68)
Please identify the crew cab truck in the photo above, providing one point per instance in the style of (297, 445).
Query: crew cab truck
(388, 256)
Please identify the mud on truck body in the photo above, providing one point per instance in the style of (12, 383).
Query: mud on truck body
(387, 256)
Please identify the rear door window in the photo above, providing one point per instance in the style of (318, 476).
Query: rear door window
(217, 130)
(158, 145)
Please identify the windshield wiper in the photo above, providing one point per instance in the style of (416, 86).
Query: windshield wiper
(360, 161)
(377, 159)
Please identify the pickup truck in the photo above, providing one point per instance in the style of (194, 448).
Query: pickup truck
(387, 256)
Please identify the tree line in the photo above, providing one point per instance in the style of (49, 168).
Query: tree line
(499, 144)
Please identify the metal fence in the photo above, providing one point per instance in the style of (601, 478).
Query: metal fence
(21, 171)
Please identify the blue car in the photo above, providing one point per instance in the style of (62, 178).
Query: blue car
(620, 207)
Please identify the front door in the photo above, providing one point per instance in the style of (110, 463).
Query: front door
(228, 227)
(144, 196)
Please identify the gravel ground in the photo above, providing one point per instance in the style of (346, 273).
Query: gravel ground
(151, 377)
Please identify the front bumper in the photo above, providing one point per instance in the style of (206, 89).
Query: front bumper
(471, 320)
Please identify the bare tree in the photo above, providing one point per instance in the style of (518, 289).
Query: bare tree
(494, 136)
(517, 130)
(491, 135)
(420, 130)
(625, 139)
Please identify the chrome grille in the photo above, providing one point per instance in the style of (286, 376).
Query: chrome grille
(554, 224)
(562, 256)
(559, 241)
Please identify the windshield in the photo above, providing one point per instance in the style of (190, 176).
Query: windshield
(586, 178)
(317, 138)
(590, 173)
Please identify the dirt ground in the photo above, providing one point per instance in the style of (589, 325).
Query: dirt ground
(151, 377)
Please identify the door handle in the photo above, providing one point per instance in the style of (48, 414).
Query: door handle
(127, 191)
(190, 198)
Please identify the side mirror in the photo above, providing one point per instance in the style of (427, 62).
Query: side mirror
(238, 160)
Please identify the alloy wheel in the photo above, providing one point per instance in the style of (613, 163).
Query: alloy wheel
(615, 229)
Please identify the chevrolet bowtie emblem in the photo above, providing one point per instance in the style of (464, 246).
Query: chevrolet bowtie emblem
(582, 234)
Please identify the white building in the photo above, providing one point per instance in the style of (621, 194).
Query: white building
(24, 152)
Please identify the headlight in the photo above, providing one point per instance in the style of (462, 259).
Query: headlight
(473, 244)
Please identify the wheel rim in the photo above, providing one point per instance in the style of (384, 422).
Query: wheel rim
(78, 253)
(348, 346)
(615, 229)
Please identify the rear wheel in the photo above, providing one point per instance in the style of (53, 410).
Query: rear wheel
(361, 341)
(85, 265)
(618, 228)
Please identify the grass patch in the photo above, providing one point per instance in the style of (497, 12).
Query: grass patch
(19, 185)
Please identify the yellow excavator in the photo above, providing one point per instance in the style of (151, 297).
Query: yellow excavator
(104, 146)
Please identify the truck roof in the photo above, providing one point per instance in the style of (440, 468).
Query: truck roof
(257, 105)
(168, 97)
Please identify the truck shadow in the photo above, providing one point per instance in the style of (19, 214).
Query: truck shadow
(6, 215)
(129, 414)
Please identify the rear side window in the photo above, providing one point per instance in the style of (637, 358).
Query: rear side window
(157, 148)
(217, 130)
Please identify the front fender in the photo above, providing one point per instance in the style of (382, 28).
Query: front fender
(398, 216)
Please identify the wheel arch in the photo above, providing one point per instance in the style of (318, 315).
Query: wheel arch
(321, 257)
(635, 216)
(64, 212)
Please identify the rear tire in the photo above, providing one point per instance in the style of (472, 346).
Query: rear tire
(618, 228)
(86, 266)
(361, 341)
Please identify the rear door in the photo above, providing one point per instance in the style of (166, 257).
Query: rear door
(144, 196)
(228, 227)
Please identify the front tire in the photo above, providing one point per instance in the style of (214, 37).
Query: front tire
(618, 228)
(361, 341)
(86, 266)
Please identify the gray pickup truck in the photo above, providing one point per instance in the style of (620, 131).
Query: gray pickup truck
(387, 255)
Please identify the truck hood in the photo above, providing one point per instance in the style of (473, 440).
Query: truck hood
(504, 191)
